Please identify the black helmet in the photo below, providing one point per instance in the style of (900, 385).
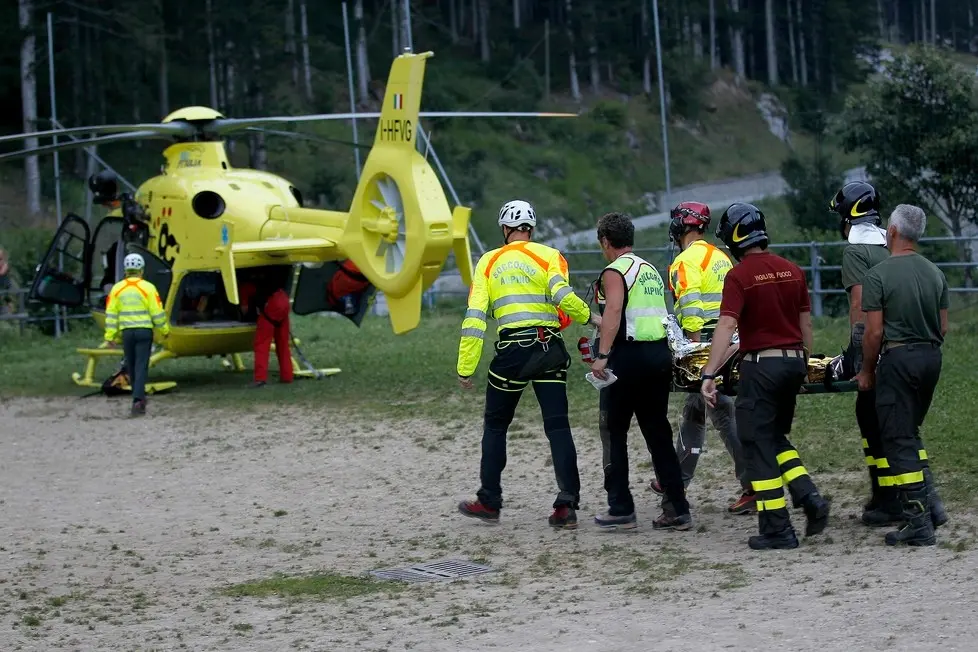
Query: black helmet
(742, 227)
(856, 203)
(104, 187)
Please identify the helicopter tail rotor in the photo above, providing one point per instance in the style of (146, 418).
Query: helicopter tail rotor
(400, 228)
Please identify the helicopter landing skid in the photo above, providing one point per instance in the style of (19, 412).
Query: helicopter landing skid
(93, 355)
(305, 368)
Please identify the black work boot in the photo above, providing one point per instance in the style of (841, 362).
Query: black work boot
(937, 514)
(887, 512)
(918, 530)
(817, 512)
(783, 540)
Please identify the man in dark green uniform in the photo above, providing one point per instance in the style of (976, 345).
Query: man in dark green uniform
(905, 299)
(858, 206)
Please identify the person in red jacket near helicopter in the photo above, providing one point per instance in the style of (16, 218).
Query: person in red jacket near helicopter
(272, 306)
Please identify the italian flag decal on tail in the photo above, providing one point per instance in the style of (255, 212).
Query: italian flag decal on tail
(398, 101)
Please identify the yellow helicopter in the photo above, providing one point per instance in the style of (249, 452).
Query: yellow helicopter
(203, 226)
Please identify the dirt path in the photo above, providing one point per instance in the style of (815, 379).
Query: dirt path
(119, 535)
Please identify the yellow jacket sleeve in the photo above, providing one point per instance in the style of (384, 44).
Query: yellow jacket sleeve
(112, 315)
(562, 294)
(155, 308)
(474, 322)
(686, 282)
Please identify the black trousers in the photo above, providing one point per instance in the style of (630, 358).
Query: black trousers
(137, 343)
(644, 371)
(869, 428)
(905, 381)
(521, 358)
(765, 408)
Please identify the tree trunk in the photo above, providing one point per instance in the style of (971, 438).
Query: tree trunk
(772, 48)
(714, 56)
(290, 47)
(698, 39)
(164, 67)
(363, 62)
(791, 43)
(220, 61)
(476, 14)
(897, 35)
(923, 21)
(516, 14)
(395, 29)
(737, 42)
(211, 55)
(28, 93)
(453, 20)
(571, 59)
(484, 30)
(306, 69)
(880, 18)
(802, 56)
(592, 50)
(230, 82)
(933, 23)
(647, 62)
(259, 154)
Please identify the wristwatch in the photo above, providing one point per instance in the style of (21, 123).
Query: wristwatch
(707, 376)
(601, 356)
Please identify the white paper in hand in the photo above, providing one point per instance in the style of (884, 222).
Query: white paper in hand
(599, 383)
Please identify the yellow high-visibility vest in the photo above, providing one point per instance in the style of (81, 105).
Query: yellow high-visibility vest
(521, 284)
(645, 307)
(133, 303)
(696, 280)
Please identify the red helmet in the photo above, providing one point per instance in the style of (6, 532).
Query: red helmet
(688, 215)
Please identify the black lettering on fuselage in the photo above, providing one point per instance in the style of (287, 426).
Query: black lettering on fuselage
(396, 130)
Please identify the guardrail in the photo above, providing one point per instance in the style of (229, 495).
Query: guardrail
(20, 315)
(812, 261)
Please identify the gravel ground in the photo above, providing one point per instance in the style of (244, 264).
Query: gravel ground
(120, 534)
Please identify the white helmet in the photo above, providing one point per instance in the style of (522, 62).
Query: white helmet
(517, 212)
(133, 262)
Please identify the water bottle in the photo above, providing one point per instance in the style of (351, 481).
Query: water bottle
(584, 346)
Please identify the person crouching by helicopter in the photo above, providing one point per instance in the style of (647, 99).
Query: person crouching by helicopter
(133, 309)
(271, 302)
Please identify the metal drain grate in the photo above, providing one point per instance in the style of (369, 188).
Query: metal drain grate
(445, 569)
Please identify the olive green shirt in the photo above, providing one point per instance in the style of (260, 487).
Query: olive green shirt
(857, 259)
(911, 291)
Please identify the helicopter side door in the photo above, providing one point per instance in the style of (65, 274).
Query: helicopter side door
(63, 275)
(311, 295)
(105, 260)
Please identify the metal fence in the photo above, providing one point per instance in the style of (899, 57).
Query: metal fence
(14, 310)
(821, 262)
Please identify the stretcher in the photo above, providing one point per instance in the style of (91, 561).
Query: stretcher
(836, 387)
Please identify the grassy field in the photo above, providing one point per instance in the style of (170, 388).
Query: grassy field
(413, 376)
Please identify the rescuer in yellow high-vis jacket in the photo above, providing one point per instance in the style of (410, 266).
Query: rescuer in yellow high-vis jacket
(696, 279)
(132, 310)
(523, 285)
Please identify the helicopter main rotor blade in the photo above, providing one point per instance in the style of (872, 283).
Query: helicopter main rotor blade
(82, 143)
(226, 125)
(172, 128)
